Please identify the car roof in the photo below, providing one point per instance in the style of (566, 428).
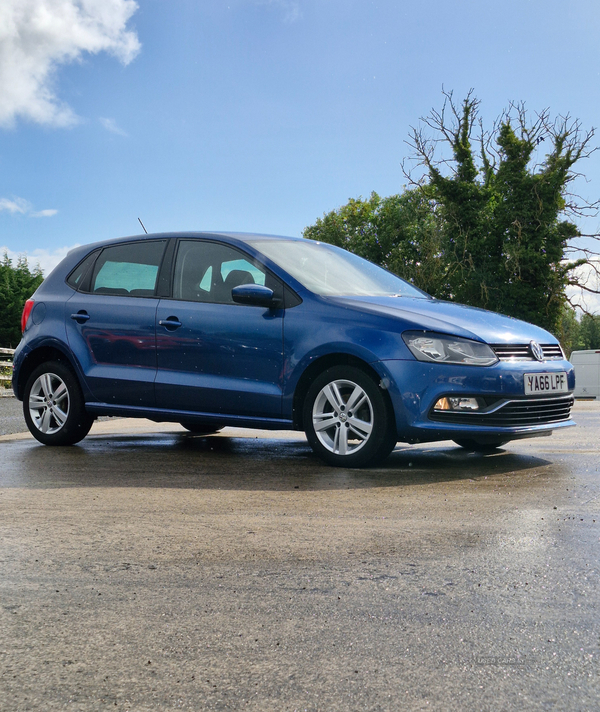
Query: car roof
(77, 253)
(241, 236)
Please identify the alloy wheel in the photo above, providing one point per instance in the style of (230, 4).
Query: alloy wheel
(49, 403)
(342, 417)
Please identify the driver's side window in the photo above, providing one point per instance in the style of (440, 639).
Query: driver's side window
(208, 271)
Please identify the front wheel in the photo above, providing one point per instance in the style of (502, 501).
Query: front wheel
(347, 419)
(53, 405)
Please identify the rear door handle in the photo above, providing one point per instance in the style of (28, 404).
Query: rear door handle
(170, 323)
(81, 317)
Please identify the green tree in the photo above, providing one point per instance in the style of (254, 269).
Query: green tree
(505, 226)
(400, 233)
(568, 330)
(589, 332)
(17, 284)
(489, 222)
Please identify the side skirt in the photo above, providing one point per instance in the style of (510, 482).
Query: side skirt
(160, 415)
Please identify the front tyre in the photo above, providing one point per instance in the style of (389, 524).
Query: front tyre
(347, 419)
(53, 405)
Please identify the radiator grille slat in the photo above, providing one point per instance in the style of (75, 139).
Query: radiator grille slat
(522, 352)
(514, 413)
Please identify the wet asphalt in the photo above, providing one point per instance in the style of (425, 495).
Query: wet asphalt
(11, 416)
(148, 569)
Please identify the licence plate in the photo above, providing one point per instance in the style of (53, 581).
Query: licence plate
(541, 383)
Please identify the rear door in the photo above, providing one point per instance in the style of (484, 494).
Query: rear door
(111, 323)
(215, 356)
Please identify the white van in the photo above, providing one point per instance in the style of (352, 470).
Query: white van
(587, 373)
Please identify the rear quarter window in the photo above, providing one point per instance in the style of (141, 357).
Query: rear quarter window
(77, 277)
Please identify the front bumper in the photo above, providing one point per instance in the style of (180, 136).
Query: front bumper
(415, 387)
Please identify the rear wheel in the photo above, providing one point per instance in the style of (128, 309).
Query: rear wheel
(199, 429)
(476, 446)
(347, 418)
(53, 405)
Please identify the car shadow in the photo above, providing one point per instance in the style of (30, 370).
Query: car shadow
(181, 460)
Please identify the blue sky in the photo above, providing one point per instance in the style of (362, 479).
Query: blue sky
(254, 115)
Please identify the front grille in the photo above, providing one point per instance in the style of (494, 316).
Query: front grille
(512, 413)
(522, 352)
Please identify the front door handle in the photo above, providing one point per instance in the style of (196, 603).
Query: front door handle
(81, 317)
(170, 323)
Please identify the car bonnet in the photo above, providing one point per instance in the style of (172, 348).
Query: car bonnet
(450, 318)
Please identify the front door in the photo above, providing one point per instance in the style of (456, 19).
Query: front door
(215, 356)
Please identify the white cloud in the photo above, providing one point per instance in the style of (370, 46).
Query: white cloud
(16, 205)
(37, 36)
(44, 213)
(587, 276)
(111, 125)
(24, 207)
(46, 260)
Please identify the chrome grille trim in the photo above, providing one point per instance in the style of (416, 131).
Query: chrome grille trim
(553, 352)
(516, 413)
(522, 352)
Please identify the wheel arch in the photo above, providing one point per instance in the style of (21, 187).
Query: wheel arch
(321, 364)
(41, 354)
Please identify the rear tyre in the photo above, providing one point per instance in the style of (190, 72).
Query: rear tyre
(475, 446)
(348, 421)
(54, 407)
(198, 429)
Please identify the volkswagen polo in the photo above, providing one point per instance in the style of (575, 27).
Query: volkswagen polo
(225, 329)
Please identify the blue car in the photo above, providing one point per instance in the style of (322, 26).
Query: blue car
(217, 329)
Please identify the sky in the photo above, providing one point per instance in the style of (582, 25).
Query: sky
(255, 115)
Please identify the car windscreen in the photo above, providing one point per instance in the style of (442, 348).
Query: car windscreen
(331, 271)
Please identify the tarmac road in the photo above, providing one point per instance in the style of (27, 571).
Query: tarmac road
(147, 569)
(11, 415)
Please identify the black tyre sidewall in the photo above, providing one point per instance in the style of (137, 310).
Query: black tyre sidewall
(78, 422)
(383, 437)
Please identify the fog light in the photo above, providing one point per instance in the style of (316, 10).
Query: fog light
(457, 404)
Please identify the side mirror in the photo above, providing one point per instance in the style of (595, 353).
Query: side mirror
(254, 295)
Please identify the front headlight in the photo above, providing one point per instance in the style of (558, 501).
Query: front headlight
(440, 348)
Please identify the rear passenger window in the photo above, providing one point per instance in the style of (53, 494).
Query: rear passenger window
(128, 270)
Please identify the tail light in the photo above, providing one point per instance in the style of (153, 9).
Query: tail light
(26, 312)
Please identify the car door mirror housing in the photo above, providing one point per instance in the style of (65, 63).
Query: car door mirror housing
(255, 295)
